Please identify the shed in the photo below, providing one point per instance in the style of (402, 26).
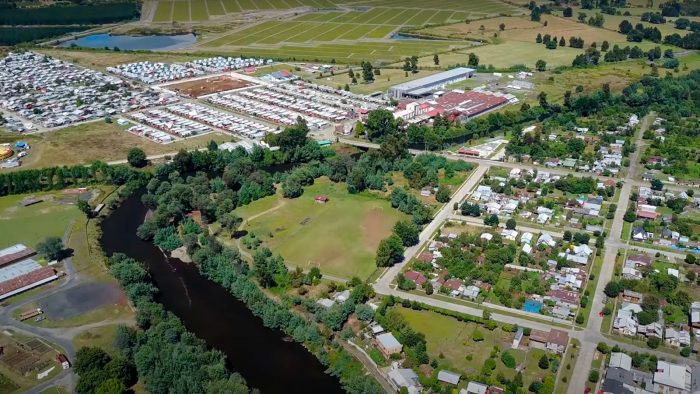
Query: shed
(448, 377)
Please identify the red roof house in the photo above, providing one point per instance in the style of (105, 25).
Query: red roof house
(415, 277)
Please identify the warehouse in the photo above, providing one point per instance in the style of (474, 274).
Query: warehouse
(425, 86)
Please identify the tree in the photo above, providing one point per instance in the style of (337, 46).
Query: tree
(212, 146)
(612, 289)
(436, 59)
(491, 220)
(562, 42)
(89, 358)
(502, 26)
(568, 12)
(593, 376)
(136, 158)
(544, 362)
(443, 194)
(685, 352)
(364, 312)
(473, 60)
(85, 208)
(580, 319)
(625, 27)
(653, 342)
(510, 224)
(538, 39)
(428, 287)
(390, 251)
(468, 209)
(603, 347)
(656, 184)
(379, 123)
(630, 216)
(508, 360)
(477, 335)
(690, 259)
(407, 231)
(541, 65)
(111, 386)
(604, 46)
(51, 248)
(367, 72)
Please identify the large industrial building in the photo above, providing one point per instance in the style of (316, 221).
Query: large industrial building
(425, 86)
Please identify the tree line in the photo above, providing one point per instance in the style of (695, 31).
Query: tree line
(73, 14)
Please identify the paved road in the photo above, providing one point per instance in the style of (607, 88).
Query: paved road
(592, 334)
(382, 284)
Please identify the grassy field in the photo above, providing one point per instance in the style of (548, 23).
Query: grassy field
(439, 10)
(29, 225)
(452, 339)
(388, 78)
(340, 237)
(567, 369)
(98, 141)
(102, 337)
(102, 59)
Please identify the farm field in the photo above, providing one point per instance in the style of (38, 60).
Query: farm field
(202, 10)
(100, 60)
(29, 225)
(22, 359)
(340, 236)
(97, 141)
(452, 339)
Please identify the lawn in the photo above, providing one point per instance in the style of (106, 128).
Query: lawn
(452, 339)
(98, 140)
(29, 225)
(340, 237)
(567, 365)
(102, 337)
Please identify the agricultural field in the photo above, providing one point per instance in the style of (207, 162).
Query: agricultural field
(451, 343)
(340, 236)
(97, 141)
(439, 11)
(22, 359)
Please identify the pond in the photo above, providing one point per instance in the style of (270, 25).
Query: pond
(152, 42)
(263, 356)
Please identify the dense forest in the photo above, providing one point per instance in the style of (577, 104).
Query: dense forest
(15, 35)
(71, 15)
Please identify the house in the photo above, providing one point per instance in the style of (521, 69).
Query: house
(631, 273)
(672, 378)
(646, 215)
(632, 296)
(625, 323)
(471, 292)
(676, 338)
(387, 344)
(630, 307)
(415, 277)
(474, 388)
(557, 341)
(673, 272)
(620, 360)
(527, 249)
(695, 315)
(518, 337)
(341, 297)
(566, 298)
(561, 312)
(639, 234)
(448, 377)
(639, 260)
(325, 302)
(538, 339)
(486, 236)
(453, 285)
(405, 377)
(510, 235)
(526, 238)
(376, 328)
(655, 330)
(619, 381)
(547, 240)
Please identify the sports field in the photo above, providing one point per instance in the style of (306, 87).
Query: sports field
(340, 237)
(29, 225)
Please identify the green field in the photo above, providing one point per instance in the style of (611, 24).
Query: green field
(340, 237)
(29, 225)
(452, 339)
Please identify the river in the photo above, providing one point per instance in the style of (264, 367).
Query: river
(259, 354)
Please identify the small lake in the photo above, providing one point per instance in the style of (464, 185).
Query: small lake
(153, 42)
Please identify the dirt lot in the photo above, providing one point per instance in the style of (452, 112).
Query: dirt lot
(81, 299)
(204, 86)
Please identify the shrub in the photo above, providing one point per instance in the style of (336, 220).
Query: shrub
(508, 360)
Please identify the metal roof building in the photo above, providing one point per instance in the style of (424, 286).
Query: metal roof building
(424, 86)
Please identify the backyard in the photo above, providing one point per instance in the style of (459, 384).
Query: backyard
(340, 237)
(450, 342)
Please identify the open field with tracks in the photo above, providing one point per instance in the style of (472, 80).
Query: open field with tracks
(340, 237)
